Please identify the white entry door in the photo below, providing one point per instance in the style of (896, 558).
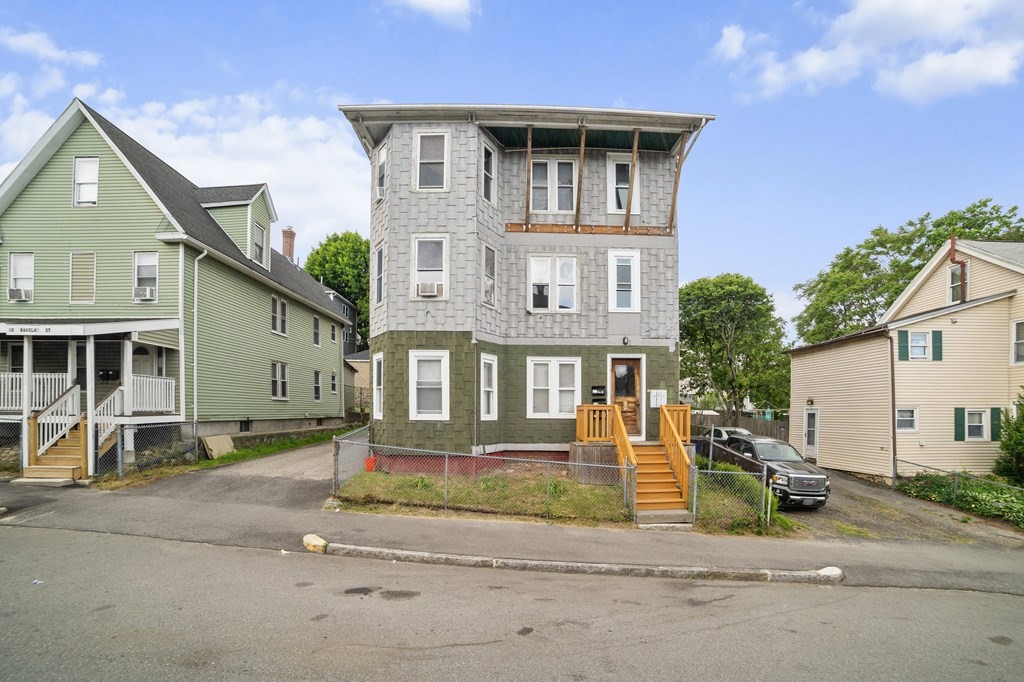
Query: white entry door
(811, 433)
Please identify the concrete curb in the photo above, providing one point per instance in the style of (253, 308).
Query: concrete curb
(829, 575)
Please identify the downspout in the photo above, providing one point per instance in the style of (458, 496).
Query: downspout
(195, 338)
(892, 403)
(963, 267)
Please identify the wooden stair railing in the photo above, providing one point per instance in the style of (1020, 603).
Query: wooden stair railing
(671, 417)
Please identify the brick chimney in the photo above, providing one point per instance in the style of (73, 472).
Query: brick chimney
(288, 243)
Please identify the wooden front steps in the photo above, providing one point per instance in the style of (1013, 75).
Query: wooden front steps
(657, 492)
(64, 459)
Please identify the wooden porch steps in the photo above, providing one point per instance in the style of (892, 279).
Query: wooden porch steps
(63, 459)
(656, 486)
(46, 471)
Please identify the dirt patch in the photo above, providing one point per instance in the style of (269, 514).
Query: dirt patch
(865, 511)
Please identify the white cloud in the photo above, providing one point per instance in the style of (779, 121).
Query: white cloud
(50, 79)
(41, 47)
(937, 75)
(730, 46)
(19, 130)
(9, 84)
(84, 91)
(903, 46)
(456, 13)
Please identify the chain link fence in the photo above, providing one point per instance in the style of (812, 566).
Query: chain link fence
(10, 446)
(368, 474)
(137, 447)
(732, 490)
(962, 490)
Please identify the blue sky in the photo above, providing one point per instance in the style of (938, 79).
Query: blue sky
(833, 116)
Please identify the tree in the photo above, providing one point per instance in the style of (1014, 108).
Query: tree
(343, 261)
(731, 341)
(862, 281)
(1010, 462)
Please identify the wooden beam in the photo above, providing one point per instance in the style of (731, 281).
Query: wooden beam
(579, 178)
(529, 173)
(569, 228)
(675, 183)
(632, 177)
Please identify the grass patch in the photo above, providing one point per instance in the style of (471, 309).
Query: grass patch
(146, 476)
(521, 490)
(732, 504)
(974, 495)
(849, 529)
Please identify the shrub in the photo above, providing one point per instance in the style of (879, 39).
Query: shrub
(1010, 462)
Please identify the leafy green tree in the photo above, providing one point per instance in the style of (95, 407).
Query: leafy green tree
(343, 261)
(862, 281)
(1010, 462)
(731, 341)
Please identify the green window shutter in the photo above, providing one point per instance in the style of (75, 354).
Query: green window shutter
(937, 344)
(995, 421)
(904, 344)
(959, 419)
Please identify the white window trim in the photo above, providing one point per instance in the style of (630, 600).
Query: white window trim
(552, 285)
(414, 357)
(281, 395)
(377, 386)
(927, 346)
(917, 417)
(315, 329)
(553, 363)
(263, 246)
(483, 275)
(318, 386)
(487, 359)
(612, 159)
(610, 389)
(282, 314)
(380, 183)
(552, 188)
(634, 256)
(334, 332)
(985, 426)
(1014, 340)
(10, 273)
(334, 382)
(416, 160)
(379, 265)
(135, 277)
(445, 262)
(494, 174)
(74, 184)
(71, 278)
(963, 284)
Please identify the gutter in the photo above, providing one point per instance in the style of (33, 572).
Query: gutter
(892, 402)
(195, 336)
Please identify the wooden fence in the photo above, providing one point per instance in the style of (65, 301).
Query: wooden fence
(774, 429)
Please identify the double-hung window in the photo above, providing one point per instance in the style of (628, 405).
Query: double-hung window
(316, 330)
(976, 424)
(378, 276)
(279, 315)
(553, 283)
(87, 180)
(1018, 342)
(553, 186)
(259, 240)
(431, 161)
(428, 385)
(957, 288)
(618, 184)
(553, 387)
(317, 390)
(624, 281)
(334, 333)
(430, 254)
(488, 387)
(279, 380)
(487, 174)
(334, 382)
(21, 276)
(906, 419)
(489, 270)
(147, 267)
(380, 188)
(378, 386)
(918, 345)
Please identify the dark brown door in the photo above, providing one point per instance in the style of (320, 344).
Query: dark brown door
(626, 381)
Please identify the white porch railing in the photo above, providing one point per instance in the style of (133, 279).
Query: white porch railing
(45, 389)
(152, 394)
(55, 421)
(111, 407)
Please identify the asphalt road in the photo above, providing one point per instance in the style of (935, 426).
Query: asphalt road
(84, 605)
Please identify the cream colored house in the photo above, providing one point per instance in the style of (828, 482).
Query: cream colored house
(927, 384)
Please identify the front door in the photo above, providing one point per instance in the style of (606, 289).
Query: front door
(811, 433)
(627, 382)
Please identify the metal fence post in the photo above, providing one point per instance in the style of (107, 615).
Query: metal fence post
(766, 502)
(120, 451)
(446, 481)
(547, 502)
(337, 449)
(696, 487)
(956, 486)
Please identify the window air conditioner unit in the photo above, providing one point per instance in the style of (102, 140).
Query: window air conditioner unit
(428, 289)
(19, 294)
(378, 193)
(145, 294)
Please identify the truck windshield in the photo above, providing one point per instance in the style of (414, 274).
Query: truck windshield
(778, 452)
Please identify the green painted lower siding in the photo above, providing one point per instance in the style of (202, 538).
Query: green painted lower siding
(464, 429)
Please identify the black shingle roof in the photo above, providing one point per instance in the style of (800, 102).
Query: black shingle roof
(183, 199)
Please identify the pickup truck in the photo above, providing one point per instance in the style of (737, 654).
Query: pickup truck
(796, 482)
